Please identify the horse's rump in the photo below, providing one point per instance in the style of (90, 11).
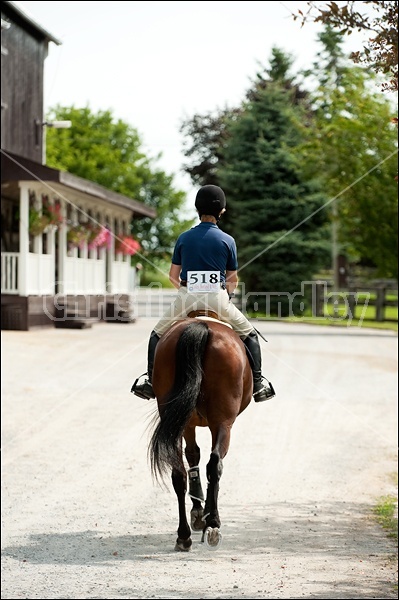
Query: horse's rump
(225, 366)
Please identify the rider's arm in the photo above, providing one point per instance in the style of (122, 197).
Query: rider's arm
(174, 275)
(231, 281)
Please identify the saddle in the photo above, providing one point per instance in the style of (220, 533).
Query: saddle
(204, 313)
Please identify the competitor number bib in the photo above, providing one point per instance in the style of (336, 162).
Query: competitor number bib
(203, 281)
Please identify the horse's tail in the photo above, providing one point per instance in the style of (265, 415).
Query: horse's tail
(165, 443)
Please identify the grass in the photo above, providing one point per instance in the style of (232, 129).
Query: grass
(364, 316)
(386, 515)
(330, 322)
(159, 278)
(365, 308)
(336, 315)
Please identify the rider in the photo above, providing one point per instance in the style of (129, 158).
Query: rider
(204, 270)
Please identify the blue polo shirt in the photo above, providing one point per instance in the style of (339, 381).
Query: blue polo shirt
(205, 248)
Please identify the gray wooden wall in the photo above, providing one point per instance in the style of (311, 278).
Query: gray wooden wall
(22, 65)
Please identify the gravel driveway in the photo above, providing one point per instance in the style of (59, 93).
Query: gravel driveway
(82, 517)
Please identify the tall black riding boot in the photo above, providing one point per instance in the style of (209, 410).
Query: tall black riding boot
(144, 390)
(263, 389)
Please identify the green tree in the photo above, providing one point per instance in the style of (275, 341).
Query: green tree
(251, 151)
(108, 151)
(206, 135)
(353, 147)
(274, 212)
(279, 71)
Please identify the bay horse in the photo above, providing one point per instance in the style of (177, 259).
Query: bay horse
(202, 377)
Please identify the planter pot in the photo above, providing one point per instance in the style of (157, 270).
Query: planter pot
(50, 228)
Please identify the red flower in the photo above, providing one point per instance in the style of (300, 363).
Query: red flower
(100, 237)
(126, 244)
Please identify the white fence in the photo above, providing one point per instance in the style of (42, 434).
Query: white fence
(9, 272)
(123, 277)
(39, 273)
(81, 275)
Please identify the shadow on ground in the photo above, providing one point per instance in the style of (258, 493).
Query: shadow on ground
(343, 532)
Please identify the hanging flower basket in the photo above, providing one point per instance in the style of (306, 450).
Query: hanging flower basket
(48, 215)
(37, 222)
(99, 237)
(78, 236)
(126, 244)
(52, 212)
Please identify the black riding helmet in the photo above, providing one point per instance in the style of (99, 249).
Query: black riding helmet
(210, 200)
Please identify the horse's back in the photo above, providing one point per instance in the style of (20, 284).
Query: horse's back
(227, 376)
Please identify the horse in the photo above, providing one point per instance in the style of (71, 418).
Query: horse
(202, 377)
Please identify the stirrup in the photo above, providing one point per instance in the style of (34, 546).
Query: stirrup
(266, 391)
(143, 390)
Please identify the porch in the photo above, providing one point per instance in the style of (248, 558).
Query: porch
(44, 271)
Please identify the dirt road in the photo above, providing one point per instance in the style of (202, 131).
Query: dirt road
(82, 518)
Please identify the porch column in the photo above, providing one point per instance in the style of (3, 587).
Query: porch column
(110, 285)
(38, 239)
(23, 238)
(62, 249)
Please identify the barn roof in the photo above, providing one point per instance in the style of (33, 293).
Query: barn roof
(16, 14)
(15, 168)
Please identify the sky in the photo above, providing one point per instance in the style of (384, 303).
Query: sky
(155, 64)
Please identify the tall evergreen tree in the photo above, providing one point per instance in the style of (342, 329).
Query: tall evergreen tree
(206, 135)
(251, 151)
(274, 213)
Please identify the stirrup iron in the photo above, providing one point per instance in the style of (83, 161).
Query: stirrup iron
(141, 393)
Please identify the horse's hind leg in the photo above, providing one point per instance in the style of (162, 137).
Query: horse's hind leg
(211, 534)
(214, 470)
(179, 480)
(220, 445)
(196, 494)
(193, 455)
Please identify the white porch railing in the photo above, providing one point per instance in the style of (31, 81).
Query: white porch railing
(123, 277)
(40, 274)
(9, 272)
(84, 276)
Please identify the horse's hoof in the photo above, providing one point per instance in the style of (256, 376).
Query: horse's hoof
(212, 538)
(196, 514)
(183, 545)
